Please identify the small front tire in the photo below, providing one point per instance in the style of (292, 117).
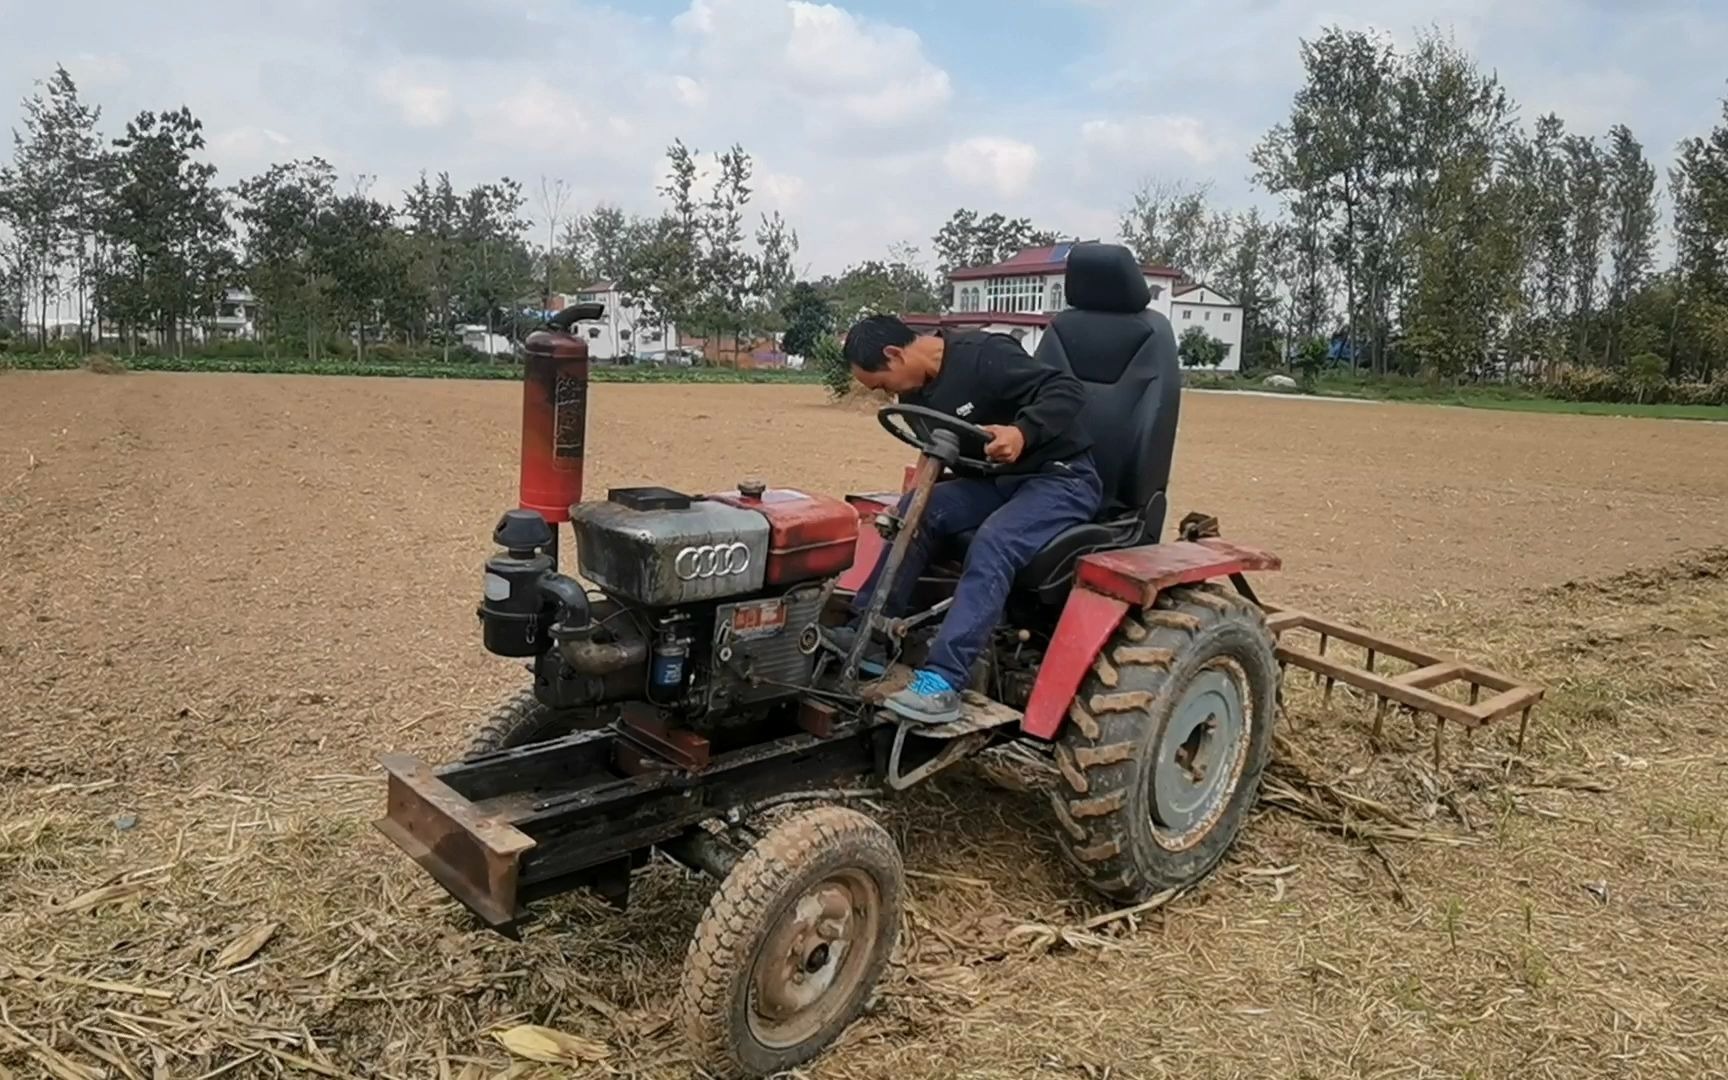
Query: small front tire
(792, 944)
(521, 720)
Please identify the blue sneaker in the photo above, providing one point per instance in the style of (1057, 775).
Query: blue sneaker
(927, 699)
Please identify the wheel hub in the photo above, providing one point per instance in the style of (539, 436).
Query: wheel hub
(1199, 755)
(813, 958)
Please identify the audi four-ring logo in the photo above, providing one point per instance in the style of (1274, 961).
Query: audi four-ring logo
(711, 561)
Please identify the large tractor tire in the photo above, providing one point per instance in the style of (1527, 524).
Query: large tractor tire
(521, 720)
(792, 944)
(1165, 743)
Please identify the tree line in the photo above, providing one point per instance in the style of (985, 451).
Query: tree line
(1420, 227)
(137, 239)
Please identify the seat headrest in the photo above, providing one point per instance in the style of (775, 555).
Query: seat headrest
(1106, 277)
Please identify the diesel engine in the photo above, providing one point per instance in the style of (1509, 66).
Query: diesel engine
(706, 603)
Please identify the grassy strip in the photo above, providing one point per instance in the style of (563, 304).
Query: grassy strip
(1717, 413)
(1509, 397)
(1506, 397)
(388, 369)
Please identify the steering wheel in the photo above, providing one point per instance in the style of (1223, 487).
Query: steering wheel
(945, 438)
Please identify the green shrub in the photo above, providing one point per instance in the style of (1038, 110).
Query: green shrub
(1211, 380)
(238, 348)
(1714, 392)
(388, 352)
(1310, 361)
(1647, 373)
(830, 365)
(1568, 382)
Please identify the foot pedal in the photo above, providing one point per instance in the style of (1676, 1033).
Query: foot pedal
(979, 718)
(977, 713)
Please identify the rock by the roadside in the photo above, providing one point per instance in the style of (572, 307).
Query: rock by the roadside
(1279, 382)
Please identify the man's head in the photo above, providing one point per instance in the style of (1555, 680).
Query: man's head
(886, 354)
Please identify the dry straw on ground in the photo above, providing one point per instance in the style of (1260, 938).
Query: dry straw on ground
(197, 664)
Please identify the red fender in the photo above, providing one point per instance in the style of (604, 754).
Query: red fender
(1088, 620)
(1106, 586)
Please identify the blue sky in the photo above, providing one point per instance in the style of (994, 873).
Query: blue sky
(870, 120)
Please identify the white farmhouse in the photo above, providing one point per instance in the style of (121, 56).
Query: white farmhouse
(1203, 306)
(1019, 295)
(623, 329)
(236, 315)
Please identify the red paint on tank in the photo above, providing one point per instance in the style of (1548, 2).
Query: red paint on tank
(870, 543)
(809, 536)
(554, 422)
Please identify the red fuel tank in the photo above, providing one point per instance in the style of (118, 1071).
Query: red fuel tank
(554, 422)
(809, 536)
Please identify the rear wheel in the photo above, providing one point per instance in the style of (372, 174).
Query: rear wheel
(1166, 741)
(792, 943)
(520, 720)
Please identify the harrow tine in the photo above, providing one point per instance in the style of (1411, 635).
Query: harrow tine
(1418, 689)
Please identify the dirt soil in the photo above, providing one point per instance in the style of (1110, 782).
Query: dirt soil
(222, 596)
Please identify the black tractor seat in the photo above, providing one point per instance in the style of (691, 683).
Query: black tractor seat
(1125, 356)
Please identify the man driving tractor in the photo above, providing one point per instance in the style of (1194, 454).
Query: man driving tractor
(1045, 483)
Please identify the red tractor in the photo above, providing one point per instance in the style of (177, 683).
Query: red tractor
(682, 687)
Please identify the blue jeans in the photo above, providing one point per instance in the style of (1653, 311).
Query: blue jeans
(1015, 517)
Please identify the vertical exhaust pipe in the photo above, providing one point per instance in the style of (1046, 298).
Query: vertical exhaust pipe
(555, 415)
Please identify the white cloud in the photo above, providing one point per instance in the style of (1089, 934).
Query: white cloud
(689, 91)
(879, 72)
(253, 143)
(859, 133)
(1001, 166)
(93, 70)
(820, 57)
(534, 111)
(419, 103)
(1152, 140)
(784, 190)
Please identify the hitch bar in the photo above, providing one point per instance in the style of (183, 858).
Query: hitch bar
(502, 831)
(474, 856)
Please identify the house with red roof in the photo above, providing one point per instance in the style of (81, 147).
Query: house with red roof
(1019, 295)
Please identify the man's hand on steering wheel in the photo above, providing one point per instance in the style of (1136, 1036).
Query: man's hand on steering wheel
(1007, 443)
(951, 440)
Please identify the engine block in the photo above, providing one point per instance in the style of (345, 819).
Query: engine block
(763, 649)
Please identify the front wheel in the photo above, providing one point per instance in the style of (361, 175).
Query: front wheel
(522, 719)
(792, 943)
(1166, 741)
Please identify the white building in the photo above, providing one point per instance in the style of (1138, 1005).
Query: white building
(1203, 306)
(480, 338)
(236, 316)
(623, 329)
(1018, 296)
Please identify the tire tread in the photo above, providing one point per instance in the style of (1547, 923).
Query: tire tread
(721, 951)
(1096, 752)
